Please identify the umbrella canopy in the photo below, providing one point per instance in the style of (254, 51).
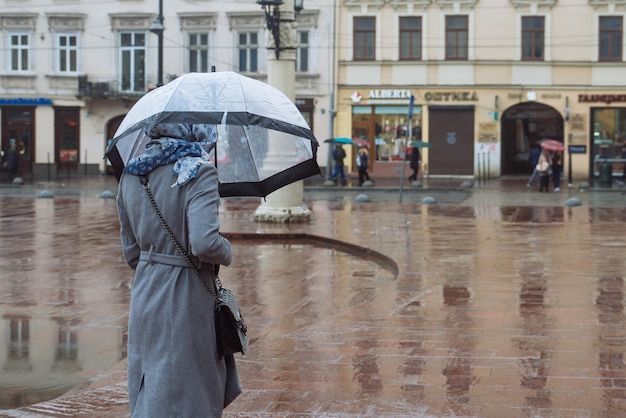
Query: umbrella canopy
(263, 143)
(361, 142)
(552, 145)
(340, 140)
(419, 144)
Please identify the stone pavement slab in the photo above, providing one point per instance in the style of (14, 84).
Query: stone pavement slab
(502, 302)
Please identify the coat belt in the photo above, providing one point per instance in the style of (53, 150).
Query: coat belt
(172, 260)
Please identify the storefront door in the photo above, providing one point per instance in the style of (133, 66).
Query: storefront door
(451, 135)
(18, 123)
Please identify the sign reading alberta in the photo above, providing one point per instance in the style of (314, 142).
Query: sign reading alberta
(390, 94)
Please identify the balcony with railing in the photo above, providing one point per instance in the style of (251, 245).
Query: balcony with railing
(105, 89)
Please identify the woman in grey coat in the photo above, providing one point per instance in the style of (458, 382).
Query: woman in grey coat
(173, 365)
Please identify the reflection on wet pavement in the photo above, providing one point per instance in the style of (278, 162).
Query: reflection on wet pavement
(486, 310)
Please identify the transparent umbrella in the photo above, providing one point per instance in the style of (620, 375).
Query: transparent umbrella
(263, 142)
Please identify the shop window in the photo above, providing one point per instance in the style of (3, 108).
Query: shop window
(410, 38)
(533, 34)
(364, 38)
(198, 52)
(67, 138)
(609, 138)
(456, 37)
(248, 52)
(611, 32)
(386, 129)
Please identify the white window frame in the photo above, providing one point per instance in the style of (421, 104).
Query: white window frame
(132, 49)
(69, 49)
(249, 49)
(303, 49)
(198, 49)
(20, 49)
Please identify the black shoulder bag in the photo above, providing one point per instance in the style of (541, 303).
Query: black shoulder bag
(230, 327)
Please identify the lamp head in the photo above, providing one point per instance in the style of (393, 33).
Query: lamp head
(298, 5)
(265, 3)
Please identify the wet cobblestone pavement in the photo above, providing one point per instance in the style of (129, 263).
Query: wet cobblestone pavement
(497, 301)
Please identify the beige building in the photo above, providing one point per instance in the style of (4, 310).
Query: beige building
(490, 79)
(71, 70)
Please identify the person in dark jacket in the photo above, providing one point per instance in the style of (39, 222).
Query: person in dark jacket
(414, 163)
(362, 163)
(557, 170)
(11, 159)
(339, 154)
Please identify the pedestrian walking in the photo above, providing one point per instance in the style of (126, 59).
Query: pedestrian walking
(12, 159)
(543, 168)
(414, 163)
(533, 158)
(557, 170)
(621, 182)
(362, 163)
(339, 154)
(174, 368)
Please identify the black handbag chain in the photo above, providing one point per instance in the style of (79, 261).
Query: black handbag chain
(168, 230)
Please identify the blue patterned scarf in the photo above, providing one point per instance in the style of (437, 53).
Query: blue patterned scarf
(170, 147)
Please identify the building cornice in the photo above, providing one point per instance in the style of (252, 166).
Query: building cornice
(18, 20)
(197, 21)
(456, 5)
(533, 5)
(608, 5)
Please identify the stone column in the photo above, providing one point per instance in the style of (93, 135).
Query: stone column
(285, 205)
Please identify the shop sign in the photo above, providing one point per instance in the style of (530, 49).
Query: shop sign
(390, 94)
(577, 122)
(487, 132)
(602, 98)
(577, 149)
(453, 96)
(25, 102)
(382, 95)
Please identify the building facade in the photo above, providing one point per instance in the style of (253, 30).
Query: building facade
(70, 70)
(490, 80)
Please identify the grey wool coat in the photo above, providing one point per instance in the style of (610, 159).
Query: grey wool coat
(173, 366)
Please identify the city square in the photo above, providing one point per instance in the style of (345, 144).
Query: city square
(494, 301)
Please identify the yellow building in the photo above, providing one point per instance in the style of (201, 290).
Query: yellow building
(490, 80)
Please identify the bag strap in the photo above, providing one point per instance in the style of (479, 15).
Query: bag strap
(218, 284)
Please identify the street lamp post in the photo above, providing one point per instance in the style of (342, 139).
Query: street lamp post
(157, 28)
(285, 205)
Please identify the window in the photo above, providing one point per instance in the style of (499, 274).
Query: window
(133, 61)
(386, 128)
(364, 38)
(67, 137)
(20, 51)
(199, 52)
(410, 38)
(67, 53)
(609, 135)
(532, 38)
(611, 38)
(248, 52)
(302, 52)
(456, 37)
(19, 338)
